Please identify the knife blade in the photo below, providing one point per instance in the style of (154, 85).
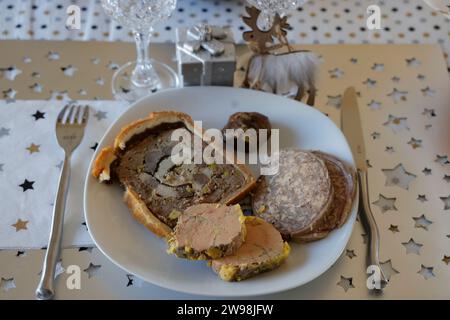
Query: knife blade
(352, 129)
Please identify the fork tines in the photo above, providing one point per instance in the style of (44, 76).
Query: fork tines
(73, 114)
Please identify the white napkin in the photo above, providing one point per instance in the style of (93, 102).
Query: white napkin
(29, 169)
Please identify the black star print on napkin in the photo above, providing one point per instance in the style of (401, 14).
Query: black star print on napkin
(130, 280)
(26, 185)
(38, 115)
(94, 146)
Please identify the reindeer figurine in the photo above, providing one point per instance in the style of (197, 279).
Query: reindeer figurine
(270, 69)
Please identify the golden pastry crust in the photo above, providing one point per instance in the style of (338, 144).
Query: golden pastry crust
(250, 183)
(154, 119)
(142, 214)
(101, 166)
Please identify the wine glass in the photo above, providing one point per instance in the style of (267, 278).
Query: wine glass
(269, 8)
(138, 78)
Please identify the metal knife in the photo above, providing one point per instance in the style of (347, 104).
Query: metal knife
(352, 129)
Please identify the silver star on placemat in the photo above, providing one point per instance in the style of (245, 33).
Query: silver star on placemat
(11, 73)
(398, 95)
(388, 269)
(426, 272)
(422, 198)
(36, 87)
(59, 269)
(336, 73)
(334, 101)
(69, 70)
(7, 284)
(350, 253)
(385, 204)
(428, 92)
(378, 67)
(415, 143)
(374, 105)
(422, 222)
(430, 113)
(398, 177)
(397, 124)
(412, 247)
(370, 83)
(9, 95)
(346, 283)
(442, 160)
(393, 228)
(53, 56)
(413, 62)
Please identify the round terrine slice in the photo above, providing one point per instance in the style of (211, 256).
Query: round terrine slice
(296, 198)
(263, 250)
(343, 180)
(208, 231)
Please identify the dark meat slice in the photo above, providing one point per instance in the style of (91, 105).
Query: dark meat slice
(343, 180)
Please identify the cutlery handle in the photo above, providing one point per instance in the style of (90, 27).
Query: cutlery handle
(45, 289)
(368, 220)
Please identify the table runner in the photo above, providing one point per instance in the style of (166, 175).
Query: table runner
(30, 163)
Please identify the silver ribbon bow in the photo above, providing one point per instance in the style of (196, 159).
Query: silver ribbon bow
(206, 37)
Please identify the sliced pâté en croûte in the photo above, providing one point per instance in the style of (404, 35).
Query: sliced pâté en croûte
(156, 190)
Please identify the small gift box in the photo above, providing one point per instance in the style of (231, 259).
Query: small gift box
(206, 55)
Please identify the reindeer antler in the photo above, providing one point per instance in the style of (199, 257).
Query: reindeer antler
(260, 40)
(283, 26)
(252, 19)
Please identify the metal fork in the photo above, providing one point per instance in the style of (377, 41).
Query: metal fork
(70, 126)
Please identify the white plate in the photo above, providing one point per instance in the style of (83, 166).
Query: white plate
(135, 249)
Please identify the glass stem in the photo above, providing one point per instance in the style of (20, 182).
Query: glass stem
(143, 74)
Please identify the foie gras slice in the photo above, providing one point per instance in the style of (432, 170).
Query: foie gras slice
(208, 231)
(263, 250)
